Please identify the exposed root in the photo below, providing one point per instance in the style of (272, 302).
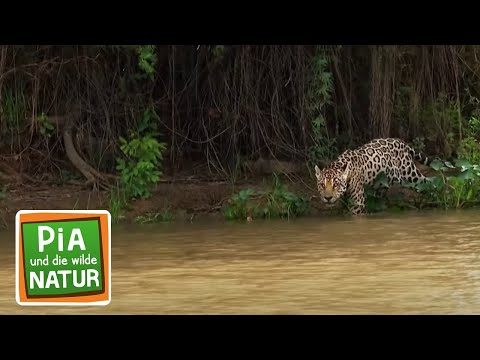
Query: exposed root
(94, 177)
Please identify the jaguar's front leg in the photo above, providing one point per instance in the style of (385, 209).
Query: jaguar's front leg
(358, 197)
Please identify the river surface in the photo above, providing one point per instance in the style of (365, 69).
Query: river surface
(413, 263)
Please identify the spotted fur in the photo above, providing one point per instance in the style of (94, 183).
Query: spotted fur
(354, 169)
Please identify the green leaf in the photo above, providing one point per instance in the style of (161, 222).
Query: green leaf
(437, 182)
(469, 194)
(456, 181)
(467, 175)
(463, 164)
(436, 165)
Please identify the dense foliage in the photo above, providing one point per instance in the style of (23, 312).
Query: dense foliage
(143, 111)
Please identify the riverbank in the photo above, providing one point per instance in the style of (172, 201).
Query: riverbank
(182, 200)
(188, 198)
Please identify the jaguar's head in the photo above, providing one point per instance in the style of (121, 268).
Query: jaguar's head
(332, 182)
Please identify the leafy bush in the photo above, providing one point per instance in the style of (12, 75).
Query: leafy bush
(144, 154)
(274, 202)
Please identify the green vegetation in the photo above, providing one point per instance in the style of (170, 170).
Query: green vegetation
(164, 216)
(140, 166)
(116, 203)
(144, 154)
(275, 201)
(318, 97)
(455, 186)
(458, 190)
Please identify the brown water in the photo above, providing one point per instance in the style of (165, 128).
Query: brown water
(428, 264)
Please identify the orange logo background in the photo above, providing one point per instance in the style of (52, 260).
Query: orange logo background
(26, 216)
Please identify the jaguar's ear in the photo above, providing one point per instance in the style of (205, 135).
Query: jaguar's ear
(346, 172)
(317, 171)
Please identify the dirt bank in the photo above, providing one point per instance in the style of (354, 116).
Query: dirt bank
(186, 200)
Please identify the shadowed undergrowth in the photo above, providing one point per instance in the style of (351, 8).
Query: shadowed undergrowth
(145, 112)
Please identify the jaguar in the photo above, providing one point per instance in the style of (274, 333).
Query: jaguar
(353, 169)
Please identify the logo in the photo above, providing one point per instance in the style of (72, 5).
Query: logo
(63, 257)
